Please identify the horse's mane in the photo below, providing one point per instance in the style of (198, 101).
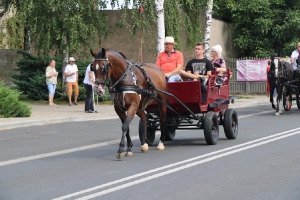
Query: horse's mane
(99, 55)
(287, 65)
(123, 55)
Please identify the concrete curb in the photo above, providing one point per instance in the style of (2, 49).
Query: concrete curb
(254, 103)
(40, 122)
(26, 122)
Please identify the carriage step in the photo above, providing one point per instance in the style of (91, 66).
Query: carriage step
(233, 97)
(216, 104)
(221, 100)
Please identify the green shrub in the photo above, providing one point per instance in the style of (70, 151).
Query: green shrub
(10, 106)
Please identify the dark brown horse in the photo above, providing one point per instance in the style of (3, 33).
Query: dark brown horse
(132, 89)
(279, 74)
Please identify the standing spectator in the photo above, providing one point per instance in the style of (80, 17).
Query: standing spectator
(89, 82)
(71, 74)
(218, 62)
(268, 84)
(51, 81)
(170, 61)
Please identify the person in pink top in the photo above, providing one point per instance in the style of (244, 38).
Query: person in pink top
(217, 61)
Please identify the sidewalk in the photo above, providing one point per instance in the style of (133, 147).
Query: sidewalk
(44, 114)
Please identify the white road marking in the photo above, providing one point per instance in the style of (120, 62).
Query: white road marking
(255, 114)
(256, 142)
(56, 153)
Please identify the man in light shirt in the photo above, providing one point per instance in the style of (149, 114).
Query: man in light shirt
(89, 82)
(71, 74)
(294, 56)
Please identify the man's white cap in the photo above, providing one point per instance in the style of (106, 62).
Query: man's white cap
(71, 59)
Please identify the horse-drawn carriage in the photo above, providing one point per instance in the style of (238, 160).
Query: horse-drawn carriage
(179, 105)
(286, 81)
(187, 110)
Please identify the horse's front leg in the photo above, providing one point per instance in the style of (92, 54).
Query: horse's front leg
(126, 119)
(279, 96)
(143, 136)
(290, 102)
(162, 110)
(271, 98)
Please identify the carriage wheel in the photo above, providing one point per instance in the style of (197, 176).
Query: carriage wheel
(150, 133)
(211, 128)
(230, 124)
(285, 100)
(297, 100)
(170, 133)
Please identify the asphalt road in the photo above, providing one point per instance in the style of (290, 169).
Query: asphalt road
(77, 161)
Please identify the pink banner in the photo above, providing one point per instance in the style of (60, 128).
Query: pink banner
(251, 70)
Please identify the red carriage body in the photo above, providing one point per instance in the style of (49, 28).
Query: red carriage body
(187, 111)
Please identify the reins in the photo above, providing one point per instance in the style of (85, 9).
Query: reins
(149, 91)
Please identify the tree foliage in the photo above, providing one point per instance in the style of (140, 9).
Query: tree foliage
(50, 21)
(262, 26)
(181, 16)
(14, 29)
(80, 22)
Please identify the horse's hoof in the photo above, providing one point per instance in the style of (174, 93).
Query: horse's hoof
(160, 146)
(121, 155)
(144, 147)
(280, 111)
(128, 153)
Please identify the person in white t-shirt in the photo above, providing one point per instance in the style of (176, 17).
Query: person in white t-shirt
(89, 82)
(71, 74)
(294, 56)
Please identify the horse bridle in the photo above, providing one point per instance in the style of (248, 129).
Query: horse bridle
(104, 67)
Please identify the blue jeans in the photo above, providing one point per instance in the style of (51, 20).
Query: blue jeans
(275, 92)
(174, 78)
(51, 88)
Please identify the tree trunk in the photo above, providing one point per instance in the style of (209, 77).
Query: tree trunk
(27, 39)
(65, 62)
(159, 6)
(208, 22)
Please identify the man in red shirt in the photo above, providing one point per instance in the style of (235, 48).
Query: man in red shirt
(171, 60)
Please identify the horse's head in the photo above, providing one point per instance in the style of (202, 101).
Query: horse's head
(100, 67)
(274, 64)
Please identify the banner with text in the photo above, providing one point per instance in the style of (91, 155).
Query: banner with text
(251, 70)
